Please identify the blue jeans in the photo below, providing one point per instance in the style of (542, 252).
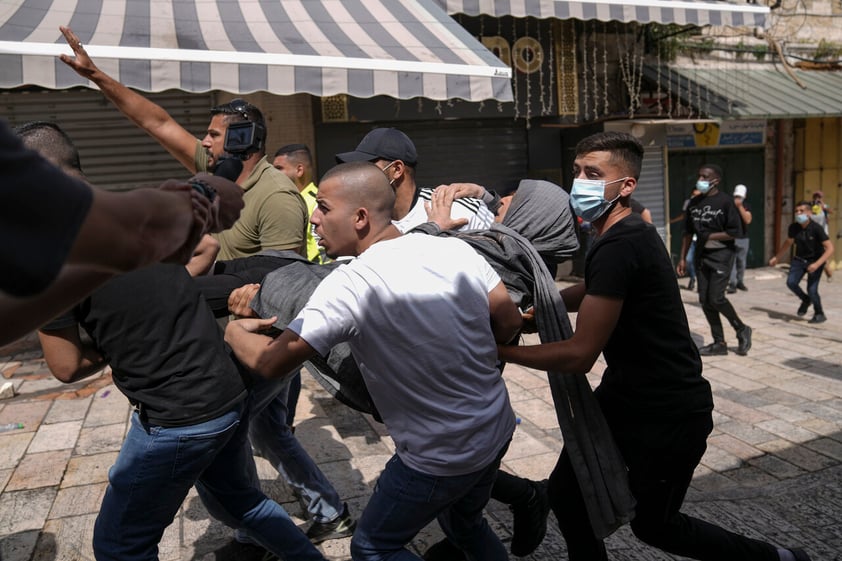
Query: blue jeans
(690, 259)
(406, 500)
(272, 439)
(797, 270)
(156, 468)
(739, 269)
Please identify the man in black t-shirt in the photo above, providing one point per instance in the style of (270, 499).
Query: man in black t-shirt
(189, 427)
(812, 250)
(714, 219)
(168, 357)
(659, 408)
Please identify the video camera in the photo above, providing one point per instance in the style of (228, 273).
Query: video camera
(244, 139)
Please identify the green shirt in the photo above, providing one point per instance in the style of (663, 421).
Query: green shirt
(274, 214)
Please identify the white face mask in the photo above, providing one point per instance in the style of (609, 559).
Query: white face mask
(391, 181)
(587, 197)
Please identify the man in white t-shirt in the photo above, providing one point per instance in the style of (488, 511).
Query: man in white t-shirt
(421, 315)
(393, 152)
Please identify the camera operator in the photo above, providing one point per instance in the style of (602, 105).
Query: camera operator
(274, 215)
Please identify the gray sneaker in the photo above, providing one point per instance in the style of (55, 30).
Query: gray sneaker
(342, 527)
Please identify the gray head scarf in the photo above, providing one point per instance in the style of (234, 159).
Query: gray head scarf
(540, 212)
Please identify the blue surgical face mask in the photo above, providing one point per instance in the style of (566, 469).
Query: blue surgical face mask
(801, 218)
(703, 186)
(588, 198)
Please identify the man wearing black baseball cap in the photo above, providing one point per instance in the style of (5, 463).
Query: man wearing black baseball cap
(394, 152)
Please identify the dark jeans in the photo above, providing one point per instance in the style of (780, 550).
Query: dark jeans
(661, 460)
(405, 500)
(797, 270)
(713, 269)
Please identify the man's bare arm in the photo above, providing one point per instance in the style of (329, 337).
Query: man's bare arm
(271, 358)
(506, 319)
(596, 321)
(67, 357)
(150, 117)
(126, 231)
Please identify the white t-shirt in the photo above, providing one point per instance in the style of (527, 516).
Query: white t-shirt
(414, 311)
(478, 215)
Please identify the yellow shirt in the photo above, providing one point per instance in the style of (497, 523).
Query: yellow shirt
(314, 252)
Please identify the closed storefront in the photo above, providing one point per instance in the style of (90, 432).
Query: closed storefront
(115, 154)
(491, 152)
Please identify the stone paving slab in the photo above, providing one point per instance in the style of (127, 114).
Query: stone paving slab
(773, 468)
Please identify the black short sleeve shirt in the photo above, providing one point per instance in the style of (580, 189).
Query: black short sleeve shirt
(654, 369)
(809, 240)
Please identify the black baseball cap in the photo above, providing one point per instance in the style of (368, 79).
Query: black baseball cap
(382, 144)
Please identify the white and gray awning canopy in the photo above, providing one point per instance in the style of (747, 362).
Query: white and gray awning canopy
(399, 48)
(682, 12)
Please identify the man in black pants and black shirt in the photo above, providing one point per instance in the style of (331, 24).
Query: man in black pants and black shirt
(812, 250)
(714, 218)
(658, 409)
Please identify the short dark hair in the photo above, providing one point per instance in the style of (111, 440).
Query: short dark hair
(717, 171)
(239, 110)
(298, 153)
(50, 140)
(623, 147)
(808, 204)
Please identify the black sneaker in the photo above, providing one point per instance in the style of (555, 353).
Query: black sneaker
(818, 318)
(714, 349)
(731, 289)
(445, 550)
(530, 520)
(342, 527)
(744, 340)
(802, 309)
(692, 284)
(741, 286)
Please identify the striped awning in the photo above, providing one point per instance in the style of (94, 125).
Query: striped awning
(682, 12)
(400, 48)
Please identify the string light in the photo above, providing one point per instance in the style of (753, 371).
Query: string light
(605, 68)
(541, 71)
(594, 68)
(585, 77)
(528, 77)
(514, 72)
(658, 80)
(574, 42)
(549, 111)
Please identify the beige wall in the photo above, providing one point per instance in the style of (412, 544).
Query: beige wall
(289, 118)
(818, 166)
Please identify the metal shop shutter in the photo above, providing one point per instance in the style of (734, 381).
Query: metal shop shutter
(491, 152)
(115, 154)
(651, 189)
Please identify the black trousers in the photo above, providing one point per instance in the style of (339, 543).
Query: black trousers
(661, 460)
(713, 269)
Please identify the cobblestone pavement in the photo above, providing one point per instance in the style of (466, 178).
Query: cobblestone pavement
(773, 468)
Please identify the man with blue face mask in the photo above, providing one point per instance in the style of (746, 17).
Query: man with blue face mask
(658, 409)
(812, 250)
(714, 218)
